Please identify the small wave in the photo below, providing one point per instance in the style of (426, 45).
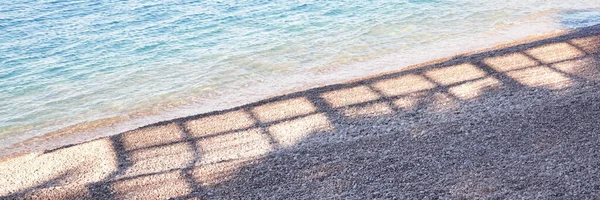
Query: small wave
(65, 63)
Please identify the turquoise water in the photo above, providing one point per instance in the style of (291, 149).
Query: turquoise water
(126, 63)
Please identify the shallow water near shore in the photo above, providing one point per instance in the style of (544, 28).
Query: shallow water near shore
(116, 66)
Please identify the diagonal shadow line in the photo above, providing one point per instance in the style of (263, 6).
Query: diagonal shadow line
(188, 170)
(103, 189)
(445, 89)
(578, 47)
(506, 80)
(382, 97)
(420, 104)
(324, 107)
(573, 59)
(262, 128)
(549, 65)
(267, 124)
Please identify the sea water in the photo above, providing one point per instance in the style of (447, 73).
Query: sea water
(116, 65)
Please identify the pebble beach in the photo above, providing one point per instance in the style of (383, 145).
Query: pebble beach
(517, 121)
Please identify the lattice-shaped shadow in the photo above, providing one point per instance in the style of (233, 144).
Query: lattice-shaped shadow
(188, 157)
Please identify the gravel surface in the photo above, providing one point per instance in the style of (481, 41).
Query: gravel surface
(519, 121)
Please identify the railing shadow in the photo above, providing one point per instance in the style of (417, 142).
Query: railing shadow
(460, 128)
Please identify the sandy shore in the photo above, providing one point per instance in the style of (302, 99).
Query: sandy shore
(517, 121)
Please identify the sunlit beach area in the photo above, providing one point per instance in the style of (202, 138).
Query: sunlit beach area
(300, 100)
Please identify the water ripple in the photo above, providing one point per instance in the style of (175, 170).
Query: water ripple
(67, 62)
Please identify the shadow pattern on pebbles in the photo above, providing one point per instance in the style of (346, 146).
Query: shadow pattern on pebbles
(513, 122)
